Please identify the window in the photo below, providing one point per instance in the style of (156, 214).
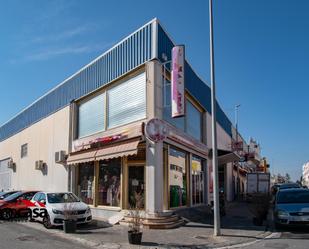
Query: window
(24, 150)
(193, 121)
(197, 180)
(127, 101)
(167, 108)
(85, 187)
(37, 197)
(91, 117)
(109, 182)
(177, 178)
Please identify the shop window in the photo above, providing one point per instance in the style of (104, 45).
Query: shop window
(91, 117)
(177, 178)
(85, 187)
(127, 101)
(197, 180)
(24, 150)
(167, 108)
(193, 121)
(109, 182)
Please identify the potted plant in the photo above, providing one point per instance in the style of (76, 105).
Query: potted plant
(135, 221)
(69, 221)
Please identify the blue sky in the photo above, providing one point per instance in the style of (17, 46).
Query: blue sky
(261, 56)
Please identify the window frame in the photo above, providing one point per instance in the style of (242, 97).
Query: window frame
(24, 150)
(104, 90)
(201, 112)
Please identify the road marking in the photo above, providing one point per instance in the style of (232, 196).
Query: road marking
(271, 236)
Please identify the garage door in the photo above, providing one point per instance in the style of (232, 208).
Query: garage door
(5, 175)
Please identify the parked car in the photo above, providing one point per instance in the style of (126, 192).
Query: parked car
(280, 186)
(15, 204)
(3, 195)
(291, 207)
(59, 205)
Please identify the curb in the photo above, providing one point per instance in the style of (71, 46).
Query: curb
(270, 236)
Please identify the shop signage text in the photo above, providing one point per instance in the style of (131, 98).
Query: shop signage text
(178, 102)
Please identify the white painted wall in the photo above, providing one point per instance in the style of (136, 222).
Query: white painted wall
(44, 138)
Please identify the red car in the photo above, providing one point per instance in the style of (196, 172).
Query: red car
(16, 204)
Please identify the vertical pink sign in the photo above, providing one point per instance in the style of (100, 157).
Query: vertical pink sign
(178, 86)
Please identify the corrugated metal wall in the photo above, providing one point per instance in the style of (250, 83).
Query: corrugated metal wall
(135, 50)
(193, 83)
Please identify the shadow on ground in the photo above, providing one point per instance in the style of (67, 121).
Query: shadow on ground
(237, 216)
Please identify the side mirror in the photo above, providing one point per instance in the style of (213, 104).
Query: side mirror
(43, 201)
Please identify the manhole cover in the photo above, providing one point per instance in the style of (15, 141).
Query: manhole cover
(26, 238)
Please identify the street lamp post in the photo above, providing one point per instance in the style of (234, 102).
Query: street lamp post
(236, 126)
(214, 129)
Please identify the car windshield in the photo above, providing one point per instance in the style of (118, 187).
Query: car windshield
(293, 197)
(13, 196)
(62, 198)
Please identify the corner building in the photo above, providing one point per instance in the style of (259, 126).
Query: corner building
(87, 134)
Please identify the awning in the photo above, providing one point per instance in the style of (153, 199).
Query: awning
(125, 148)
(228, 158)
(225, 156)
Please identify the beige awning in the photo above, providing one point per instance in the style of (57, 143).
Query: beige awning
(228, 158)
(125, 148)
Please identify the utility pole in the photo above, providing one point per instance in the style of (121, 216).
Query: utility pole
(236, 126)
(217, 231)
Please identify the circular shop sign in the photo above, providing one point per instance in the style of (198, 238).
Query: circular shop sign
(156, 130)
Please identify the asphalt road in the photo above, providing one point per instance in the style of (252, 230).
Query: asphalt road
(16, 236)
(297, 238)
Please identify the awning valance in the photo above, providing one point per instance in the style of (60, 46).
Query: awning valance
(225, 156)
(125, 148)
(228, 158)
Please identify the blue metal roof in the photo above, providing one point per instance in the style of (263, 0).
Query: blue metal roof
(130, 53)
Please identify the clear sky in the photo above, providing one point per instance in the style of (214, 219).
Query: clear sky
(261, 55)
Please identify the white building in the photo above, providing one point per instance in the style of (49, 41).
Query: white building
(306, 174)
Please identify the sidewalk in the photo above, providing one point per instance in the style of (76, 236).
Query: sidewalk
(237, 228)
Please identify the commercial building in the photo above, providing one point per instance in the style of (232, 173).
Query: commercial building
(87, 135)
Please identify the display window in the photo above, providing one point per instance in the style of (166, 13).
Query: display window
(85, 186)
(109, 183)
(177, 178)
(197, 180)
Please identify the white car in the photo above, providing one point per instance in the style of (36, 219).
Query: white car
(59, 206)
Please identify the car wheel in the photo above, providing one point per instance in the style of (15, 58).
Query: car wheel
(46, 222)
(6, 214)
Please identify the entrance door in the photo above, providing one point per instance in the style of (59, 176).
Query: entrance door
(5, 175)
(136, 187)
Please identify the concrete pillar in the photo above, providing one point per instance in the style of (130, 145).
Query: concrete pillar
(154, 177)
(154, 151)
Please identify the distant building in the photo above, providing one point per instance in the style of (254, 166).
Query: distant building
(306, 174)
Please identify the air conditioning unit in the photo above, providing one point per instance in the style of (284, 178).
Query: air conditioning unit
(39, 165)
(60, 156)
(11, 164)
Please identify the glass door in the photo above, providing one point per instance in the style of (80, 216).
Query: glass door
(136, 187)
